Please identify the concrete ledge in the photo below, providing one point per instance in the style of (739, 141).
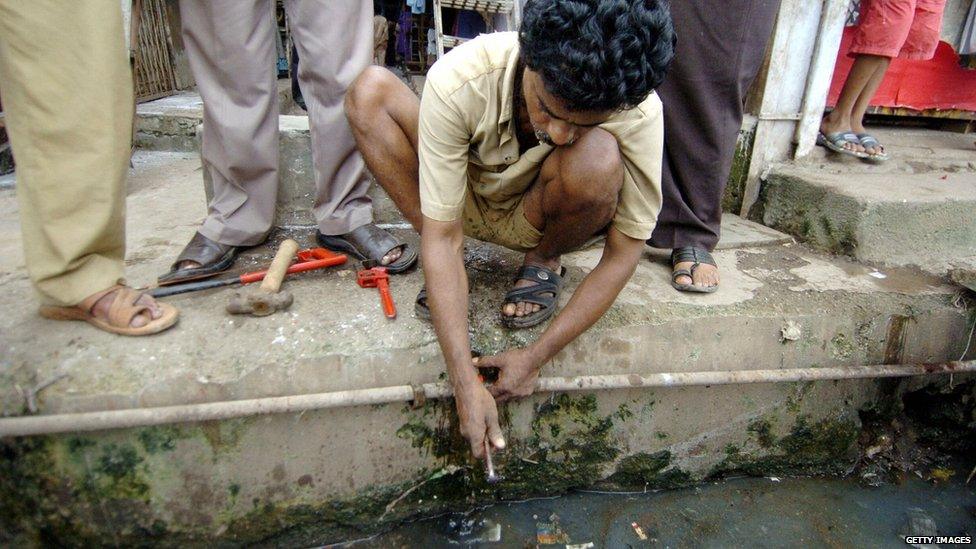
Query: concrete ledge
(173, 125)
(296, 176)
(169, 124)
(925, 220)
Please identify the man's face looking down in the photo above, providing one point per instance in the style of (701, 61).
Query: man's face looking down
(552, 123)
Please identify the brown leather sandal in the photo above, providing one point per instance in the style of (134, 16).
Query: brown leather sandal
(120, 313)
(213, 257)
(370, 242)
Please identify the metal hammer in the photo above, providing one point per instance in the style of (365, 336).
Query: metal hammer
(267, 298)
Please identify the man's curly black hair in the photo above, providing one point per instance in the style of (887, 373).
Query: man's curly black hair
(598, 55)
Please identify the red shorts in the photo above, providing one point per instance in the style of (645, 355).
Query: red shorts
(898, 28)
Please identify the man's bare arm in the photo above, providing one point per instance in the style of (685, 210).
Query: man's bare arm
(442, 246)
(520, 367)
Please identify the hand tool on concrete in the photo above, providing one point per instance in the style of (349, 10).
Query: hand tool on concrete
(268, 297)
(493, 477)
(377, 277)
(308, 260)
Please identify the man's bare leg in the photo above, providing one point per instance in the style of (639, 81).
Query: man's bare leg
(384, 115)
(863, 74)
(864, 99)
(574, 198)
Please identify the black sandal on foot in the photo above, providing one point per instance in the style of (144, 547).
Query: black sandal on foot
(213, 258)
(545, 293)
(370, 242)
(696, 255)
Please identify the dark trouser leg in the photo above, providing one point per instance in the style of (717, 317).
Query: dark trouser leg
(720, 49)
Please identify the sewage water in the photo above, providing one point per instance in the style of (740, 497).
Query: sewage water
(743, 512)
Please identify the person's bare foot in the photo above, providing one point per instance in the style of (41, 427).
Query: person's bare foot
(187, 265)
(705, 275)
(833, 123)
(392, 256)
(872, 148)
(101, 308)
(523, 308)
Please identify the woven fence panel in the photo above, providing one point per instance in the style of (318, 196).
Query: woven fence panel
(154, 74)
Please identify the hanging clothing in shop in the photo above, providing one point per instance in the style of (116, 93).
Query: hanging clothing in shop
(417, 6)
(403, 35)
(469, 24)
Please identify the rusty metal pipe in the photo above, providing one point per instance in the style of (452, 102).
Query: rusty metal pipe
(188, 413)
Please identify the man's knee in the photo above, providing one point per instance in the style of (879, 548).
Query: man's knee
(365, 97)
(591, 172)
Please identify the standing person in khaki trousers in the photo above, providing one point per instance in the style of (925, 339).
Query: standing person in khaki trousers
(67, 91)
(231, 49)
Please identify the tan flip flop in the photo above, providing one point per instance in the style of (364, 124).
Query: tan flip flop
(120, 313)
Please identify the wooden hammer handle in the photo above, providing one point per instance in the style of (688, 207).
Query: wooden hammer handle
(280, 263)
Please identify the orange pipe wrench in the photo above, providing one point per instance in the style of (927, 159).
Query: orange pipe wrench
(377, 277)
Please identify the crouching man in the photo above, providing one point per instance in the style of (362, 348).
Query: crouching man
(537, 141)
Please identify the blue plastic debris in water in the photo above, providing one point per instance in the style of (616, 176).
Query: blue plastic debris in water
(549, 533)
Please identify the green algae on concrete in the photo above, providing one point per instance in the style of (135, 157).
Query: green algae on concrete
(648, 471)
(735, 186)
(827, 446)
(944, 416)
(565, 442)
(54, 492)
(88, 490)
(570, 444)
(160, 439)
(762, 429)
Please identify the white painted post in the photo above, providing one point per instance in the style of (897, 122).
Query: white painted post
(793, 40)
(439, 28)
(820, 75)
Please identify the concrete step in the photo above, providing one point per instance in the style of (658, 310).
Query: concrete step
(336, 472)
(963, 272)
(296, 181)
(170, 124)
(173, 123)
(918, 210)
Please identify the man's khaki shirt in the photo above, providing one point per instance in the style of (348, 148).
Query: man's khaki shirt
(467, 139)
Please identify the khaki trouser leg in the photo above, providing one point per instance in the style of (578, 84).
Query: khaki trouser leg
(335, 44)
(231, 50)
(67, 95)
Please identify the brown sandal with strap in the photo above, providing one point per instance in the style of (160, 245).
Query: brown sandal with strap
(213, 258)
(120, 313)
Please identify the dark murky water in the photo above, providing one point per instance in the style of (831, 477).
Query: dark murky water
(751, 512)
